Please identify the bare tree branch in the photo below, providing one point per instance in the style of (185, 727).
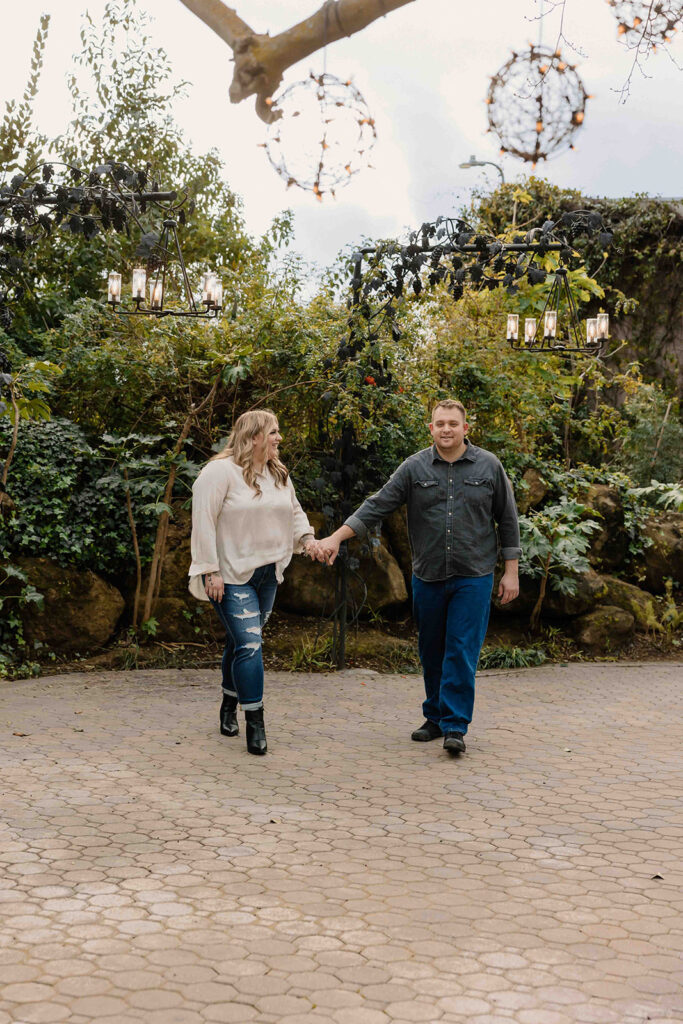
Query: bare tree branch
(261, 60)
(224, 21)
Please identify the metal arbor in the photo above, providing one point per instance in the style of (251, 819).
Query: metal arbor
(451, 253)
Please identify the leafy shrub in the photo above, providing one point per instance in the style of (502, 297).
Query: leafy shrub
(667, 496)
(15, 593)
(554, 543)
(62, 510)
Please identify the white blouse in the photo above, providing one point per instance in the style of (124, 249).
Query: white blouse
(235, 530)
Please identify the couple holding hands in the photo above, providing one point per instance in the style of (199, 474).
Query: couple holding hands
(247, 523)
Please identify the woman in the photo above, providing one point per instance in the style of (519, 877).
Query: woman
(246, 524)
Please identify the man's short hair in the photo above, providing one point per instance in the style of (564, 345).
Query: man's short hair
(450, 403)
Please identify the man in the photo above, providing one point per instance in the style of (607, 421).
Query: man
(456, 494)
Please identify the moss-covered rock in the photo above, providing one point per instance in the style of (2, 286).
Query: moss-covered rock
(632, 599)
(80, 611)
(605, 629)
(590, 591)
(664, 556)
(609, 544)
(532, 491)
(395, 530)
(309, 586)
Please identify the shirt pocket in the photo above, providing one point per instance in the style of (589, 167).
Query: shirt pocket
(426, 492)
(478, 492)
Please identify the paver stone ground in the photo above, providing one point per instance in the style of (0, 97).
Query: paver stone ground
(152, 871)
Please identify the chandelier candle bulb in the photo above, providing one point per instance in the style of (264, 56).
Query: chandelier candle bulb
(591, 331)
(139, 283)
(208, 288)
(603, 326)
(550, 325)
(218, 295)
(156, 294)
(114, 294)
(530, 330)
(513, 326)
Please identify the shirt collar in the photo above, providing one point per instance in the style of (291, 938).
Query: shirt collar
(469, 455)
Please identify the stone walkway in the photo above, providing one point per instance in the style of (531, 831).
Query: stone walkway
(152, 871)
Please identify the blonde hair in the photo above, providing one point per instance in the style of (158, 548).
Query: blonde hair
(240, 446)
(450, 403)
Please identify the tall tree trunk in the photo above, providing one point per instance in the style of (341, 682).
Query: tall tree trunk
(536, 611)
(136, 549)
(156, 568)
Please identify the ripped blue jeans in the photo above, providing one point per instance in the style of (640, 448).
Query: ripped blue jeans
(243, 612)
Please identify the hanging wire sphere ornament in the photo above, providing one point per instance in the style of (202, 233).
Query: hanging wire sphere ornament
(535, 104)
(648, 21)
(321, 135)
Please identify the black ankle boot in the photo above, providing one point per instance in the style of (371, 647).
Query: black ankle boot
(228, 716)
(256, 732)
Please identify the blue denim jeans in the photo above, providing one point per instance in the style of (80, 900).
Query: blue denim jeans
(243, 611)
(451, 617)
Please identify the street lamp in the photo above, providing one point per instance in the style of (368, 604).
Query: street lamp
(473, 162)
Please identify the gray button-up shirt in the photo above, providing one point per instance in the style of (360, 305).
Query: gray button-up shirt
(453, 511)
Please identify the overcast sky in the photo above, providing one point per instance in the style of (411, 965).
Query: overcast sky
(424, 72)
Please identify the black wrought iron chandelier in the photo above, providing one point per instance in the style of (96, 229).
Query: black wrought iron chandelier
(548, 334)
(152, 279)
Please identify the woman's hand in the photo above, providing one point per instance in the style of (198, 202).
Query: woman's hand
(313, 550)
(214, 586)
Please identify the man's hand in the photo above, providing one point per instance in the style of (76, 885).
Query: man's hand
(329, 547)
(508, 589)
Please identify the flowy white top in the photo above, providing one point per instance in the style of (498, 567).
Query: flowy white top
(235, 530)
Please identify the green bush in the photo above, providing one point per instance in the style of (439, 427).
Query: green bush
(62, 510)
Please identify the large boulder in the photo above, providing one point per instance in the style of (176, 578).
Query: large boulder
(631, 599)
(183, 619)
(605, 629)
(524, 603)
(664, 557)
(532, 491)
(609, 544)
(179, 617)
(590, 591)
(396, 531)
(80, 611)
(308, 588)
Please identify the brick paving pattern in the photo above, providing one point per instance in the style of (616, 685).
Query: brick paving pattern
(151, 870)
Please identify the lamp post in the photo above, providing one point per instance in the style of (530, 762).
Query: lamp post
(473, 162)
